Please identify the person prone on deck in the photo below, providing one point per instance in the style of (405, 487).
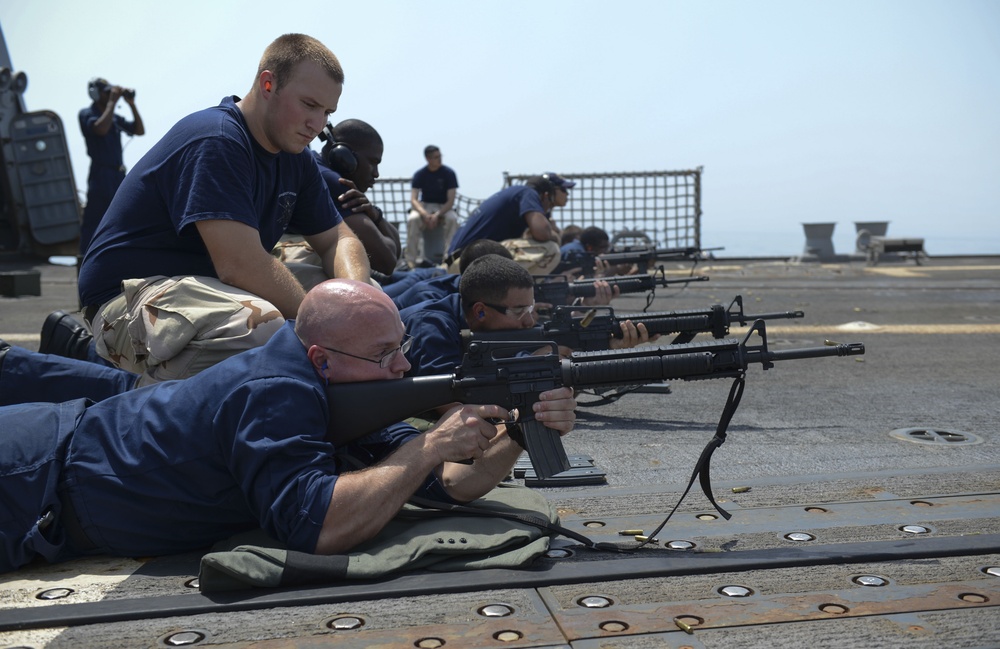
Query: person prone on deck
(180, 465)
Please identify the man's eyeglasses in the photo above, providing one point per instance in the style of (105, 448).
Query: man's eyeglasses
(512, 311)
(385, 360)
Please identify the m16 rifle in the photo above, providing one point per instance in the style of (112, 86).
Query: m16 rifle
(558, 290)
(502, 373)
(598, 326)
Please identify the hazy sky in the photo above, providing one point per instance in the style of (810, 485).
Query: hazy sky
(798, 111)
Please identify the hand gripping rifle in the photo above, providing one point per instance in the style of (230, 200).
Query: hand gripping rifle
(599, 325)
(502, 373)
(558, 290)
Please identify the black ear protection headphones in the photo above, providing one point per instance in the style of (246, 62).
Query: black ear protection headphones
(337, 155)
(96, 87)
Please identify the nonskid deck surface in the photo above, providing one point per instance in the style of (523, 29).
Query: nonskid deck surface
(872, 516)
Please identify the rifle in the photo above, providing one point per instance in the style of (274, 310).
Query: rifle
(644, 256)
(595, 329)
(559, 290)
(500, 373)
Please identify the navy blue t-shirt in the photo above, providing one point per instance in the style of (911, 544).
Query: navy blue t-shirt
(500, 217)
(207, 167)
(434, 185)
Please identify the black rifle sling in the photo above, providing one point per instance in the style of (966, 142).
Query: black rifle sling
(443, 508)
(430, 507)
(702, 468)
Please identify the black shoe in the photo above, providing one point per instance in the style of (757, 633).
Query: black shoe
(63, 335)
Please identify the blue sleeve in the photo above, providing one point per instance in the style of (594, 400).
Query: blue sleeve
(529, 202)
(285, 469)
(195, 189)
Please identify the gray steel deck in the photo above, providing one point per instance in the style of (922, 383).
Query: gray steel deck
(889, 463)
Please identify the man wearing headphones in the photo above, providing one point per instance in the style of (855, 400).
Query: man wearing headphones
(348, 162)
(520, 217)
(102, 130)
(180, 275)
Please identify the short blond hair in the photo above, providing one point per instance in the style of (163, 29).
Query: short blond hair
(288, 50)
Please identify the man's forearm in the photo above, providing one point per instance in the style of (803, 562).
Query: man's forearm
(449, 202)
(137, 126)
(269, 279)
(103, 123)
(389, 231)
(350, 260)
(381, 249)
(364, 501)
(415, 203)
(418, 207)
(465, 482)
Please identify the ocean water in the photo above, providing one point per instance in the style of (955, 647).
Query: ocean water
(785, 243)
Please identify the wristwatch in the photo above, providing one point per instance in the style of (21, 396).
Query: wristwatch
(380, 217)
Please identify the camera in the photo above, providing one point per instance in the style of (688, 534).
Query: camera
(128, 93)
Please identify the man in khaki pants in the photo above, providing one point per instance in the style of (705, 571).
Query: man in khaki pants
(180, 275)
(432, 198)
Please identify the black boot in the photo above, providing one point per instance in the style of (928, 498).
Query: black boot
(63, 335)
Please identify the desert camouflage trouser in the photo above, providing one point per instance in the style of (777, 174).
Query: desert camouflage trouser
(174, 327)
(538, 257)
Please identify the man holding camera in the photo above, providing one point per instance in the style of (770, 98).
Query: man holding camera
(102, 128)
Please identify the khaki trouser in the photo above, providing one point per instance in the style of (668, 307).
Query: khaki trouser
(174, 327)
(415, 229)
(537, 257)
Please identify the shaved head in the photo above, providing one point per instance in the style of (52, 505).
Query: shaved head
(341, 309)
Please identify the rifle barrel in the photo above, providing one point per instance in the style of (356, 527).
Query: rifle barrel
(842, 349)
(778, 315)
